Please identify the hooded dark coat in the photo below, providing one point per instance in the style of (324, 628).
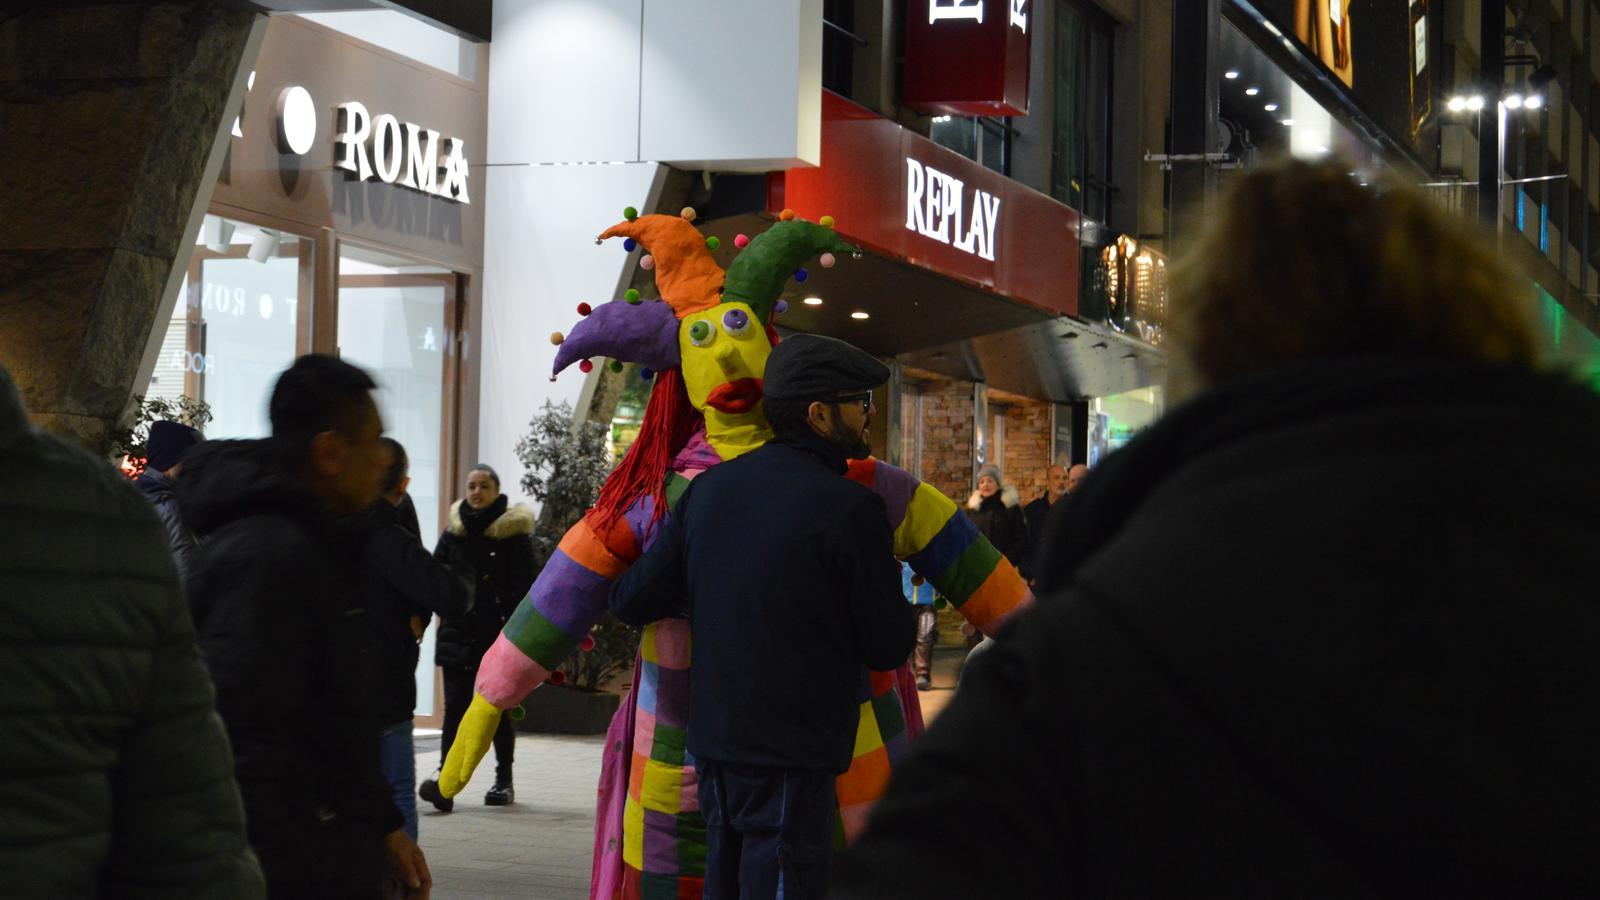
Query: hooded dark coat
(1329, 632)
(494, 551)
(115, 776)
(159, 490)
(279, 608)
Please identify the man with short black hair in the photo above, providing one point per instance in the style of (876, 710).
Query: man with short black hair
(278, 605)
(405, 586)
(780, 565)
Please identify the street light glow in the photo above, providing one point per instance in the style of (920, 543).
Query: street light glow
(1475, 102)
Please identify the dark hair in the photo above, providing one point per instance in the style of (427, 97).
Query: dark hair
(787, 416)
(398, 467)
(316, 394)
(481, 467)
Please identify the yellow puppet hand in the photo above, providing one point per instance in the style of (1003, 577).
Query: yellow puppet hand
(473, 740)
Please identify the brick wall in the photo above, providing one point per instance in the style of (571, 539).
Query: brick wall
(1027, 447)
(947, 437)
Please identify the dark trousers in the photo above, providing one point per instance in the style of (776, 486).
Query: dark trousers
(769, 832)
(927, 633)
(458, 685)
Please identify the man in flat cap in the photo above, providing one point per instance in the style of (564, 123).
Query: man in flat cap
(781, 566)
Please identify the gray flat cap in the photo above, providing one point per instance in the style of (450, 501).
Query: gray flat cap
(812, 367)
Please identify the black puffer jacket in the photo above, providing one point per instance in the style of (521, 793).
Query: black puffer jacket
(402, 580)
(115, 775)
(493, 550)
(1001, 520)
(1326, 633)
(158, 489)
(278, 605)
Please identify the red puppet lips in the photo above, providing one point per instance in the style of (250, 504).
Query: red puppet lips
(735, 397)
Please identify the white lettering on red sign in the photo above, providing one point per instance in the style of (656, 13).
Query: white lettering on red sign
(935, 208)
(404, 153)
(955, 9)
(1019, 14)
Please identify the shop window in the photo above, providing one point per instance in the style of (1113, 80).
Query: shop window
(237, 324)
(839, 43)
(1080, 146)
(984, 140)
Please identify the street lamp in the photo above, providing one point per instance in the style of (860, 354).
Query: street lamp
(1475, 103)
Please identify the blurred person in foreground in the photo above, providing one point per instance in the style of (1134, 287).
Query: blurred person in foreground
(115, 774)
(165, 448)
(405, 586)
(278, 603)
(1295, 639)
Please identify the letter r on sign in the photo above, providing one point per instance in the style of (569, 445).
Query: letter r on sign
(355, 126)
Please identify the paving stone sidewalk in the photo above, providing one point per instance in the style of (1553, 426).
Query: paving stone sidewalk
(541, 847)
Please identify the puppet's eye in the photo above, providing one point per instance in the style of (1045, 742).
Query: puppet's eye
(701, 333)
(737, 323)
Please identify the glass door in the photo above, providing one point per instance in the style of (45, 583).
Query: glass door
(397, 319)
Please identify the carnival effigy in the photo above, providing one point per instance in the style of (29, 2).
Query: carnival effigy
(705, 343)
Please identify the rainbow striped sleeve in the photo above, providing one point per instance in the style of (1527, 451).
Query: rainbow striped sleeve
(566, 600)
(943, 546)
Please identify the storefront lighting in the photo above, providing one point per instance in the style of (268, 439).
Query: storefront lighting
(1231, 74)
(1513, 101)
(217, 234)
(1251, 91)
(1457, 104)
(1271, 107)
(858, 314)
(263, 245)
(1288, 123)
(1475, 103)
(1534, 101)
(812, 301)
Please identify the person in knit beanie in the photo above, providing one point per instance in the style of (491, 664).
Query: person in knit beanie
(165, 449)
(997, 511)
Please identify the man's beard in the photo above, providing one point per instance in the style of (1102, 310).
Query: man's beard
(853, 444)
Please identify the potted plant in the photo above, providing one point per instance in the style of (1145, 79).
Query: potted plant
(563, 468)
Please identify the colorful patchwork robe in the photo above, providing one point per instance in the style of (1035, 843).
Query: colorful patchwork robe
(649, 835)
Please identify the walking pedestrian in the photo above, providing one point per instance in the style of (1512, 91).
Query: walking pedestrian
(780, 565)
(279, 606)
(489, 542)
(1251, 673)
(919, 593)
(165, 448)
(405, 586)
(115, 774)
(1060, 482)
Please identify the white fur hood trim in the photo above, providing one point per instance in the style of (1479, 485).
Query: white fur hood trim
(1010, 497)
(517, 519)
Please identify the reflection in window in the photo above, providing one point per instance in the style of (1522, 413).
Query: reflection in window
(236, 325)
(984, 140)
(1080, 147)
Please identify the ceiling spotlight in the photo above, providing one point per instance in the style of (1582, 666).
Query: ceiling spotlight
(1288, 122)
(1271, 107)
(1457, 103)
(858, 314)
(1542, 76)
(812, 301)
(1251, 91)
(1475, 102)
(216, 233)
(263, 245)
(1231, 74)
(1534, 101)
(1513, 101)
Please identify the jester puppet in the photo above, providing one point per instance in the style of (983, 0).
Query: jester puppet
(707, 342)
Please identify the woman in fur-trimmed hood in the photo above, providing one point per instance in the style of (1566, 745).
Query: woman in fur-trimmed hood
(996, 509)
(489, 543)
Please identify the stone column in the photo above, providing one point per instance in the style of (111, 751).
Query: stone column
(115, 119)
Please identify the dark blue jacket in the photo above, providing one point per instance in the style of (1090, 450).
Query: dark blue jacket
(787, 574)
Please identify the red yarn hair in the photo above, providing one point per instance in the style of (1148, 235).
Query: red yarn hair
(669, 421)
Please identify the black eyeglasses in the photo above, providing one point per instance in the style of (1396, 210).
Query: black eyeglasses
(865, 399)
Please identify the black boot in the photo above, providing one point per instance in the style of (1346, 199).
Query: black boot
(502, 794)
(429, 791)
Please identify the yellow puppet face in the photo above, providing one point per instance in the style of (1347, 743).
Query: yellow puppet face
(724, 351)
